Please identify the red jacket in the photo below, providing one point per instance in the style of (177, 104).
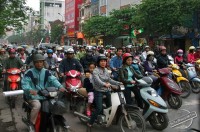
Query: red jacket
(178, 60)
(196, 55)
(190, 58)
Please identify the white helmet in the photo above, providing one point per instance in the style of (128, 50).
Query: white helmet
(59, 48)
(70, 51)
(150, 53)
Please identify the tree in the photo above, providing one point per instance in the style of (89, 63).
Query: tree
(161, 16)
(13, 14)
(56, 31)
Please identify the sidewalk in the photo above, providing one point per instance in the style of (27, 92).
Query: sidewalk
(6, 120)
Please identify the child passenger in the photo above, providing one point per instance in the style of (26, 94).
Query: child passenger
(89, 87)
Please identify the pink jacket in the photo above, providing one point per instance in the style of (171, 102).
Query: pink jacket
(190, 58)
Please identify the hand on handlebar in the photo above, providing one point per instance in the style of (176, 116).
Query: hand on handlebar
(107, 85)
(133, 82)
(62, 89)
(61, 74)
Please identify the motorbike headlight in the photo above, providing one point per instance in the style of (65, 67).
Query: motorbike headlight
(122, 87)
(53, 94)
(14, 72)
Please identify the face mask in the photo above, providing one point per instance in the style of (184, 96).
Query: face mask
(151, 58)
(180, 54)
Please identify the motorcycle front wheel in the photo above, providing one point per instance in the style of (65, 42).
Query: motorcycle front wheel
(185, 88)
(158, 121)
(174, 101)
(196, 87)
(136, 122)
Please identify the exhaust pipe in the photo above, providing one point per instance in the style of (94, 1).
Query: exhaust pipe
(81, 115)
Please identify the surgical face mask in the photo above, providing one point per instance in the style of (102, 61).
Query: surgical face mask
(151, 58)
(180, 54)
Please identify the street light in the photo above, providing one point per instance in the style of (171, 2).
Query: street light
(61, 16)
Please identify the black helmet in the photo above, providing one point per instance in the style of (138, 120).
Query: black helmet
(38, 57)
(101, 57)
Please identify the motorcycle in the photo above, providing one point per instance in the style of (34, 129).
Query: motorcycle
(73, 82)
(128, 116)
(183, 83)
(53, 70)
(193, 78)
(155, 109)
(50, 117)
(170, 90)
(13, 83)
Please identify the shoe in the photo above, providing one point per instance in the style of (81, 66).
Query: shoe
(88, 112)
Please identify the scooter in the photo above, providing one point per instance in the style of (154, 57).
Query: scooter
(13, 83)
(128, 116)
(155, 109)
(193, 78)
(183, 83)
(73, 82)
(50, 117)
(170, 90)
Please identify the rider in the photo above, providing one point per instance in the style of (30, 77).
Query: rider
(127, 75)
(70, 63)
(116, 63)
(190, 57)
(101, 83)
(49, 59)
(35, 79)
(59, 52)
(179, 57)
(81, 53)
(88, 58)
(162, 59)
(11, 62)
(22, 54)
(144, 54)
(3, 55)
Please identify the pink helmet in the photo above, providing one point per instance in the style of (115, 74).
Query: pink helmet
(180, 51)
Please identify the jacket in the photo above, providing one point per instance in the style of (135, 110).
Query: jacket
(13, 63)
(123, 75)
(116, 62)
(100, 78)
(190, 58)
(37, 80)
(70, 64)
(51, 61)
(149, 68)
(86, 60)
(163, 61)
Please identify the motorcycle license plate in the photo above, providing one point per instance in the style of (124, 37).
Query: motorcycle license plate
(192, 69)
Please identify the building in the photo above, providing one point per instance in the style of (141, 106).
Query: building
(51, 10)
(72, 19)
(33, 21)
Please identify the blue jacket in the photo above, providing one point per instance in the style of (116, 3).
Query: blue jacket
(37, 80)
(116, 62)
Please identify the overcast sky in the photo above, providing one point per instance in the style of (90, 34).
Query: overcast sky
(35, 4)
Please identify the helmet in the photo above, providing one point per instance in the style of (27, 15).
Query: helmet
(70, 51)
(94, 48)
(2, 50)
(112, 48)
(126, 55)
(129, 46)
(59, 48)
(49, 51)
(150, 53)
(12, 51)
(101, 57)
(191, 48)
(39, 52)
(180, 51)
(198, 47)
(162, 48)
(38, 57)
(146, 46)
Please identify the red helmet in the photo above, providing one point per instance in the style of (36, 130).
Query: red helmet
(12, 51)
(126, 55)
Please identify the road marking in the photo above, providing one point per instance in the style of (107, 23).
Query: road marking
(192, 102)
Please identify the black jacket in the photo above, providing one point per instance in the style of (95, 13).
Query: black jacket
(86, 60)
(70, 64)
(162, 61)
(88, 85)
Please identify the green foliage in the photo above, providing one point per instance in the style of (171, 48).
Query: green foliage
(12, 13)
(56, 31)
(160, 16)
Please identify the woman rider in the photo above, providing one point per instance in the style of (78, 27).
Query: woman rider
(101, 83)
(127, 76)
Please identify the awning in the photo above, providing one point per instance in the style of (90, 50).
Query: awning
(80, 35)
(174, 36)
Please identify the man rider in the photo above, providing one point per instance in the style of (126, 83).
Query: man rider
(144, 54)
(81, 53)
(11, 62)
(88, 58)
(116, 63)
(51, 61)
(70, 63)
(35, 79)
